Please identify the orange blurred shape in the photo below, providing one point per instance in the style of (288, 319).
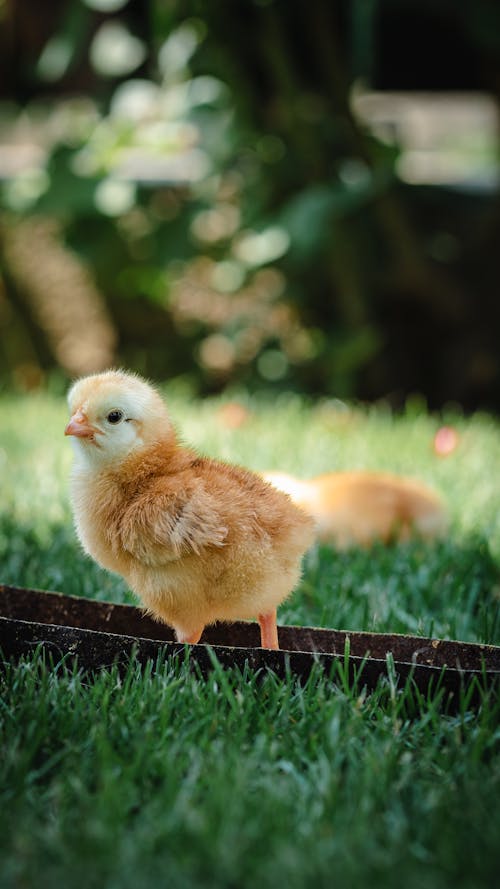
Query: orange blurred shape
(28, 376)
(233, 415)
(360, 507)
(445, 441)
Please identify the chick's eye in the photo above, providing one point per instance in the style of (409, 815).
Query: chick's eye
(115, 417)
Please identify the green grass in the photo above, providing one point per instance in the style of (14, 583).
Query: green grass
(165, 778)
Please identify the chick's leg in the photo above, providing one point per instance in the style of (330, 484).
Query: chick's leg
(190, 637)
(268, 630)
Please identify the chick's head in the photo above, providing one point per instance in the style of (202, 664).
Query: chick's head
(113, 414)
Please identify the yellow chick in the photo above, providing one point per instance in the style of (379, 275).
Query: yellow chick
(359, 508)
(198, 540)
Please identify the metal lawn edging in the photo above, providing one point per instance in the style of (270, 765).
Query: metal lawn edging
(99, 634)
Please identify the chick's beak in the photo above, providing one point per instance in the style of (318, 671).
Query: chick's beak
(80, 426)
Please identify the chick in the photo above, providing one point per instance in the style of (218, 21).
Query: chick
(358, 508)
(198, 540)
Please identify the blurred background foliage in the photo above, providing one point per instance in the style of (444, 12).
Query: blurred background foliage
(260, 194)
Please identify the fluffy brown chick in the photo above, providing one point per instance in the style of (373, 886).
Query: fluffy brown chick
(359, 508)
(198, 540)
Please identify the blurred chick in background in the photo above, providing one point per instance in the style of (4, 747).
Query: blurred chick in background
(360, 508)
(198, 540)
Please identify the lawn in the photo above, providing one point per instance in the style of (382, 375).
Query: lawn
(162, 778)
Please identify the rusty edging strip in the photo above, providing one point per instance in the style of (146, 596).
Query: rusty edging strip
(102, 633)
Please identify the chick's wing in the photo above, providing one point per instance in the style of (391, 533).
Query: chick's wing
(165, 524)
